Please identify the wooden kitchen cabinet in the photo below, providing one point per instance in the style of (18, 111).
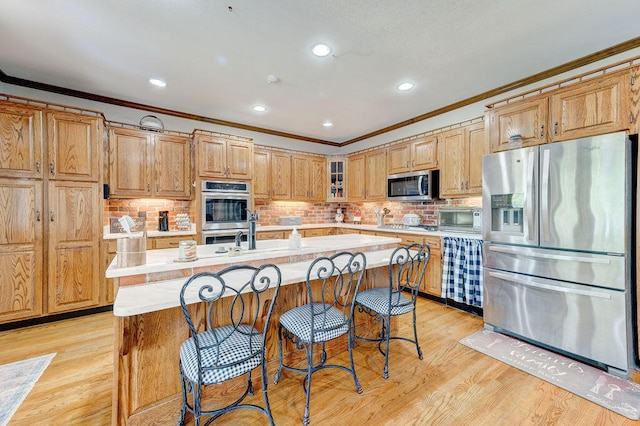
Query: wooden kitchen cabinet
(269, 235)
(367, 176)
(433, 274)
(74, 222)
(261, 183)
(337, 179)
(527, 118)
(157, 243)
(462, 150)
(21, 141)
(591, 107)
(420, 154)
(281, 175)
(315, 232)
(308, 178)
(52, 222)
(21, 249)
(224, 156)
(144, 164)
(74, 145)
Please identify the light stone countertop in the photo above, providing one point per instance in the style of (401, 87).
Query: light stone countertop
(149, 297)
(387, 228)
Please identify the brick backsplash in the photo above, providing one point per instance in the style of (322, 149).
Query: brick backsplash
(312, 213)
(149, 207)
(271, 211)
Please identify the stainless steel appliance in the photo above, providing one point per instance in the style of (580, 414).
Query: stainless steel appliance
(558, 250)
(460, 219)
(225, 207)
(415, 186)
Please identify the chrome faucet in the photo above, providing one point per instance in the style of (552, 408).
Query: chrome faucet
(253, 217)
(239, 238)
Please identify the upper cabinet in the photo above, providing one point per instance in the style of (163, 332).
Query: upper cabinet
(595, 106)
(591, 106)
(461, 165)
(308, 178)
(21, 141)
(281, 175)
(420, 154)
(261, 185)
(74, 146)
(224, 156)
(146, 164)
(367, 177)
(337, 179)
(519, 124)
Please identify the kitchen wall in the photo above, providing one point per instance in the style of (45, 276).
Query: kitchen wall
(316, 213)
(149, 207)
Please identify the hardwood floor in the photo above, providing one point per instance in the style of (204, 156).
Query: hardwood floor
(452, 385)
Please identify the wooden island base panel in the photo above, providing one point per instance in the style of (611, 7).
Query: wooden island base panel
(150, 326)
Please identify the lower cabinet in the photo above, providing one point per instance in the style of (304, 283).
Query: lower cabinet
(270, 235)
(69, 230)
(433, 274)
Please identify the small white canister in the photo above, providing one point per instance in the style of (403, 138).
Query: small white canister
(187, 250)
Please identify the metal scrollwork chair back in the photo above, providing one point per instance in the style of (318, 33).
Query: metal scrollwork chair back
(407, 267)
(239, 302)
(332, 285)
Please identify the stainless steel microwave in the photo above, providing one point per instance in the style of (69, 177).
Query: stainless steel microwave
(414, 186)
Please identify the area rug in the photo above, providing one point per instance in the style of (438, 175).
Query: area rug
(16, 381)
(614, 393)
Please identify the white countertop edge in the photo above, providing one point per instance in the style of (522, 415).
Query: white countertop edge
(145, 298)
(402, 230)
(163, 260)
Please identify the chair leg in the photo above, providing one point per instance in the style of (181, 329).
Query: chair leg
(415, 333)
(353, 366)
(183, 411)
(265, 379)
(196, 404)
(309, 350)
(386, 327)
(276, 378)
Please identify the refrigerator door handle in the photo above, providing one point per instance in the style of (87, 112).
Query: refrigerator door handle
(558, 289)
(528, 200)
(518, 251)
(544, 196)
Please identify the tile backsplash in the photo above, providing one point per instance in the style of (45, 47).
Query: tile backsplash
(147, 208)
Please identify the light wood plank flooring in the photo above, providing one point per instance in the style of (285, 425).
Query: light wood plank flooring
(452, 385)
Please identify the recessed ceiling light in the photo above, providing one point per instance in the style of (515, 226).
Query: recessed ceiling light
(405, 86)
(327, 124)
(259, 108)
(321, 50)
(157, 82)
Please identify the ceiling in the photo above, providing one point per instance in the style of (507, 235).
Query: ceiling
(216, 55)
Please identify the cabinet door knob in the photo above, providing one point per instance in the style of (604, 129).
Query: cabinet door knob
(38, 215)
(542, 131)
(51, 215)
(51, 168)
(38, 167)
(148, 187)
(555, 128)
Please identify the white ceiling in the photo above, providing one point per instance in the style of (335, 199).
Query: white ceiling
(216, 60)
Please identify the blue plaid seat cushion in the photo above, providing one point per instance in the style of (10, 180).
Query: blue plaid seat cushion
(377, 299)
(235, 357)
(328, 325)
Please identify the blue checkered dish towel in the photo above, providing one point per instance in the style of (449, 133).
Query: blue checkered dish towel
(462, 270)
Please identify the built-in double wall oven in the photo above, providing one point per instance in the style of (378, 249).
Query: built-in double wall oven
(225, 209)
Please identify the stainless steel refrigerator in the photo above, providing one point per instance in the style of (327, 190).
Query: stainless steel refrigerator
(558, 254)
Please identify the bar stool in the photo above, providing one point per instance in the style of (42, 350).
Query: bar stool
(407, 267)
(240, 299)
(327, 316)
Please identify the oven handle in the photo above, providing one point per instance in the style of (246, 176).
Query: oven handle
(531, 283)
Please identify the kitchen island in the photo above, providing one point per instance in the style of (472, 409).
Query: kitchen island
(150, 326)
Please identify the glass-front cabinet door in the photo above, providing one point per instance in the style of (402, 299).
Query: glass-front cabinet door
(337, 184)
